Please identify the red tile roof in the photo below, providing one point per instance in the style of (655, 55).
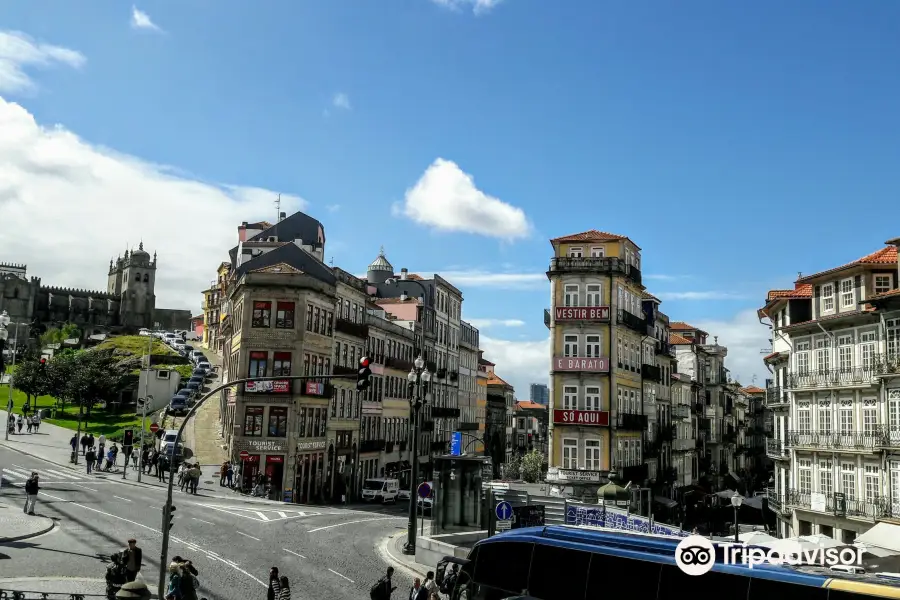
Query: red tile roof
(592, 235)
(801, 290)
(884, 256)
(681, 326)
(649, 296)
(884, 295)
(753, 390)
(529, 404)
(676, 339)
(772, 356)
(494, 380)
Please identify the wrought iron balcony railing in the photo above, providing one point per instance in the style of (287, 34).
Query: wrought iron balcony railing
(651, 373)
(832, 378)
(877, 436)
(633, 322)
(776, 396)
(776, 449)
(589, 264)
(360, 330)
(371, 446)
(631, 421)
(681, 411)
(682, 445)
(778, 502)
(878, 507)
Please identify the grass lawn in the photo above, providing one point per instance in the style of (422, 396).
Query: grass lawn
(109, 424)
(137, 345)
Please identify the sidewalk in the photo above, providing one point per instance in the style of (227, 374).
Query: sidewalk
(60, 586)
(16, 525)
(391, 549)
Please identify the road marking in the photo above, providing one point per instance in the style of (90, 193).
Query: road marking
(353, 523)
(263, 516)
(54, 497)
(248, 535)
(65, 475)
(339, 575)
(292, 552)
(202, 521)
(83, 486)
(121, 498)
(282, 514)
(17, 473)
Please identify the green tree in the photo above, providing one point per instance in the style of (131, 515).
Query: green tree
(533, 466)
(57, 335)
(512, 469)
(30, 379)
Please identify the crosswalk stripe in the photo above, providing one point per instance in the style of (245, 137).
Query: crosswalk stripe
(18, 473)
(63, 474)
(10, 475)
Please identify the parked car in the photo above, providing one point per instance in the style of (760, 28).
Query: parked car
(192, 335)
(144, 331)
(204, 364)
(380, 489)
(178, 405)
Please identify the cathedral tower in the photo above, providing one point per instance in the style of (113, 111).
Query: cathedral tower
(135, 281)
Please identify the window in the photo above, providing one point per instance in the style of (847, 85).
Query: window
(845, 353)
(823, 355)
(553, 559)
(803, 363)
(592, 346)
(873, 483)
(870, 417)
(847, 293)
(826, 485)
(592, 455)
(258, 360)
(576, 252)
(571, 295)
(883, 283)
(570, 453)
(673, 582)
(262, 314)
(278, 421)
(642, 577)
(284, 315)
(570, 345)
(253, 420)
(825, 417)
(804, 420)
(845, 418)
(281, 364)
(805, 474)
(592, 398)
(867, 350)
(597, 252)
(848, 480)
(827, 297)
(570, 397)
(594, 295)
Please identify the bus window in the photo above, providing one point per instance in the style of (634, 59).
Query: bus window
(503, 566)
(558, 573)
(673, 583)
(618, 577)
(767, 589)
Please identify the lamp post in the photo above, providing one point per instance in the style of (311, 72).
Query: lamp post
(4, 336)
(418, 381)
(736, 502)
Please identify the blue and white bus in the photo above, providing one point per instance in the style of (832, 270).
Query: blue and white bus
(580, 563)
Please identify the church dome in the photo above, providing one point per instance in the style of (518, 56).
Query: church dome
(140, 252)
(381, 269)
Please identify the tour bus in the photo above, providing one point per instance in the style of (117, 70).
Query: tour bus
(567, 562)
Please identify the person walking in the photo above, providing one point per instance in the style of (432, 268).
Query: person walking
(31, 492)
(20, 422)
(384, 587)
(161, 467)
(194, 473)
(89, 459)
(418, 591)
(222, 473)
(131, 557)
(429, 584)
(189, 583)
(74, 444)
(285, 593)
(36, 420)
(274, 584)
(84, 443)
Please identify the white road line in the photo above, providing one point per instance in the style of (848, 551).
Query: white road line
(61, 474)
(282, 515)
(339, 575)
(45, 494)
(262, 516)
(233, 513)
(23, 474)
(83, 486)
(248, 535)
(353, 523)
(121, 498)
(202, 521)
(292, 552)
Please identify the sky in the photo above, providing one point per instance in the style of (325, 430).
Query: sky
(737, 144)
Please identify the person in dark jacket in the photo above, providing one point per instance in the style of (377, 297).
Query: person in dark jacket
(274, 584)
(383, 589)
(31, 492)
(131, 557)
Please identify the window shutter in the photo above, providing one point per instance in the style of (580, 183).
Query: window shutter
(817, 296)
(857, 284)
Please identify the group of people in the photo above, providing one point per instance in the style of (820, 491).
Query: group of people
(16, 423)
(420, 590)
(279, 586)
(189, 477)
(226, 474)
(183, 582)
(93, 459)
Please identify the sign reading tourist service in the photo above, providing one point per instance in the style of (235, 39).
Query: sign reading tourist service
(281, 386)
(588, 365)
(582, 313)
(596, 418)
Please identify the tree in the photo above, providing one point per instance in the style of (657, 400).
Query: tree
(533, 466)
(97, 377)
(30, 378)
(57, 335)
(513, 467)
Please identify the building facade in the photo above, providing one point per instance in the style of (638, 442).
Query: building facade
(834, 399)
(540, 393)
(470, 413)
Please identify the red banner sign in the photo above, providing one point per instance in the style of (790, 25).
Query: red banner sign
(595, 418)
(582, 313)
(588, 365)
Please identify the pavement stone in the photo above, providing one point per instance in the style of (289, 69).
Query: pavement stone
(16, 525)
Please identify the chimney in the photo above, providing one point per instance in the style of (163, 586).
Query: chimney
(403, 296)
(282, 216)
(404, 274)
(896, 242)
(244, 224)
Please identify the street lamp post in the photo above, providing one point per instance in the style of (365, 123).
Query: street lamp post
(4, 336)
(418, 381)
(736, 502)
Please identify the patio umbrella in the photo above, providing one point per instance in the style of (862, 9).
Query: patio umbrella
(822, 540)
(755, 538)
(613, 493)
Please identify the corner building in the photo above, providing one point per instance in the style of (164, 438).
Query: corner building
(597, 324)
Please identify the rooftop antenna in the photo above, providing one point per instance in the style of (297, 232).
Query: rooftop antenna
(278, 208)
(331, 261)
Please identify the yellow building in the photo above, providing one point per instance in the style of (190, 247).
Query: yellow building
(597, 326)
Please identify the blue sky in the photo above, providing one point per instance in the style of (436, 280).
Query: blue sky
(736, 145)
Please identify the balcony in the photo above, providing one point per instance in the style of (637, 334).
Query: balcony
(341, 370)
(650, 450)
(633, 473)
(776, 449)
(547, 318)
(776, 398)
(666, 433)
(879, 436)
(838, 504)
(778, 502)
(358, 330)
(662, 347)
(833, 378)
(427, 426)
(698, 408)
(442, 412)
(729, 437)
(401, 364)
(888, 365)
(634, 422)
(467, 426)
(371, 446)
(683, 445)
(709, 411)
(633, 322)
(441, 373)
(588, 264)
(599, 364)
(651, 373)
(681, 411)
(453, 376)
(634, 274)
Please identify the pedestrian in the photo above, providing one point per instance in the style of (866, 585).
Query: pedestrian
(89, 459)
(131, 557)
(429, 584)
(74, 444)
(189, 582)
(37, 421)
(173, 592)
(28, 424)
(222, 473)
(285, 589)
(182, 476)
(229, 476)
(31, 492)
(91, 441)
(418, 591)
(20, 422)
(195, 474)
(101, 450)
(383, 588)
(84, 443)
(161, 467)
(274, 584)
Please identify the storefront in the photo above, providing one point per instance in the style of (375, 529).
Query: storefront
(267, 457)
(249, 472)
(309, 471)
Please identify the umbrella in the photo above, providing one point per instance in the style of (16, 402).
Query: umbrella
(822, 540)
(755, 538)
(612, 492)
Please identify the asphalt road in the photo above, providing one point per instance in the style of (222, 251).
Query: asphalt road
(326, 552)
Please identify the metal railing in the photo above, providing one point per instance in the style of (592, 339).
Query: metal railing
(590, 264)
(681, 445)
(776, 449)
(681, 411)
(878, 436)
(633, 322)
(776, 396)
(778, 502)
(878, 508)
(828, 378)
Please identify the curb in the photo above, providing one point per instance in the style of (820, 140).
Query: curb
(383, 548)
(19, 538)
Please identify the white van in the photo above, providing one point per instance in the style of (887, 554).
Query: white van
(383, 490)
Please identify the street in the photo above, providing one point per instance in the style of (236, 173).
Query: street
(324, 551)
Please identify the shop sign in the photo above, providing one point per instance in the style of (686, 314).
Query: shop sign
(278, 386)
(261, 446)
(586, 313)
(313, 445)
(597, 418)
(570, 475)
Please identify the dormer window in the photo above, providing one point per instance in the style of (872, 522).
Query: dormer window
(884, 283)
(847, 293)
(828, 297)
(576, 252)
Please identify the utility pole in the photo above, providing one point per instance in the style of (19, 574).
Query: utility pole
(146, 398)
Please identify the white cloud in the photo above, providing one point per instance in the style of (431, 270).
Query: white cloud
(68, 207)
(19, 51)
(446, 198)
(485, 323)
(478, 6)
(662, 277)
(505, 281)
(519, 363)
(333, 208)
(745, 339)
(141, 20)
(699, 296)
(342, 101)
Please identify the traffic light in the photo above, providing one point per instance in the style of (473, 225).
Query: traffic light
(364, 376)
(169, 517)
(128, 438)
(43, 363)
